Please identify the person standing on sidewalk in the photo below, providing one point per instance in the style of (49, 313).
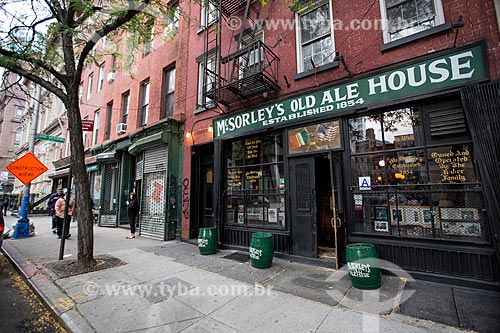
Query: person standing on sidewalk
(132, 212)
(52, 204)
(59, 212)
(3, 205)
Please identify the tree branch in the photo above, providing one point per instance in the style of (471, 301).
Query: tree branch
(133, 9)
(13, 67)
(36, 62)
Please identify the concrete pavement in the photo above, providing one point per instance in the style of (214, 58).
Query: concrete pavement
(170, 287)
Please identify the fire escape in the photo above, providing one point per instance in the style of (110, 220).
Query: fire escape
(252, 69)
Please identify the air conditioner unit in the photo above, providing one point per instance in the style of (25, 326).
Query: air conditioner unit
(121, 128)
(111, 76)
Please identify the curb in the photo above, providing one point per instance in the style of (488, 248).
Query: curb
(70, 319)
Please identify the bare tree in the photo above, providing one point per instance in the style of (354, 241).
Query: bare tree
(49, 43)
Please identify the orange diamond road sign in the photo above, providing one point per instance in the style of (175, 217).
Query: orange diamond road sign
(27, 168)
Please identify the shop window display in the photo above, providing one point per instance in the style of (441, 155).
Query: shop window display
(255, 182)
(416, 189)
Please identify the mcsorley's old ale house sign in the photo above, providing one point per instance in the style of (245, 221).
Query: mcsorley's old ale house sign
(453, 69)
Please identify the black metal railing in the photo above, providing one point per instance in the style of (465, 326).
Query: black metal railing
(248, 72)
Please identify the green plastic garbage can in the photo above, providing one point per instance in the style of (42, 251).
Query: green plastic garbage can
(364, 267)
(261, 250)
(207, 240)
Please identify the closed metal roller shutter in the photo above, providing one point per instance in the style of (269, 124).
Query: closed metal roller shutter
(154, 184)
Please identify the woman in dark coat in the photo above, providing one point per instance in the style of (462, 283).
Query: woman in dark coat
(132, 212)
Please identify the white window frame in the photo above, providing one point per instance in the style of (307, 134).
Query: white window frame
(125, 106)
(90, 84)
(169, 75)
(19, 112)
(203, 100)
(258, 35)
(97, 120)
(206, 4)
(144, 100)
(85, 134)
(314, 5)
(102, 72)
(439, 19)
(172, 26)
(18, 136)
(80, 93)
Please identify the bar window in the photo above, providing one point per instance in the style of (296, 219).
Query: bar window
(255, 193)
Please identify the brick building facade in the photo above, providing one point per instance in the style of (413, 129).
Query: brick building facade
(339, 122)
(321, 122)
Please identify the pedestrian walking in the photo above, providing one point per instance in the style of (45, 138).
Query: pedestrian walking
(59, 212)
(52, 206)
(132, 212)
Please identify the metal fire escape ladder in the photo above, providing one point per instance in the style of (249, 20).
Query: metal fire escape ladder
(211, 60)
(250, 31)
(247, 72)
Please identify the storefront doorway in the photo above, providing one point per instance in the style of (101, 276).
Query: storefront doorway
(202, 188)
(317, 230)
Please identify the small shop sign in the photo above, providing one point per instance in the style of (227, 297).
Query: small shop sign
(453, 69)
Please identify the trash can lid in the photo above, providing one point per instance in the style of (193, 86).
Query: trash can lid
(360, 246)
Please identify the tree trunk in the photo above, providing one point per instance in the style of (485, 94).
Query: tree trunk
(82, 183)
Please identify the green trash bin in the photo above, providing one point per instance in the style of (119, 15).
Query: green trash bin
(364, 267)
(261, 250)
(207, 240)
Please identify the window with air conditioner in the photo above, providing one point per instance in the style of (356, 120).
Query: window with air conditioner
(121, 128)
(111, 77)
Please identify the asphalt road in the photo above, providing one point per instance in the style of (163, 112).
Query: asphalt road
(20, 308)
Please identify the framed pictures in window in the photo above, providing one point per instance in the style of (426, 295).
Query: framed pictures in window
(396, 215)
(381, 226)
(381, 213)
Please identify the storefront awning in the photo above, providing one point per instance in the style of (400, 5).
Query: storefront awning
(106, 157)
(59, 173)
(143, 143)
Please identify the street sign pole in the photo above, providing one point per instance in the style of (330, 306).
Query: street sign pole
(23, 214)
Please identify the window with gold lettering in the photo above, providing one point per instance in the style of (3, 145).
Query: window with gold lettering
(255, 182)
(409, 180)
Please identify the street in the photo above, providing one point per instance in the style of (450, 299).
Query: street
(20, 308)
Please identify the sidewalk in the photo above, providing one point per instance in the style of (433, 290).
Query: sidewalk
(170, 287)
